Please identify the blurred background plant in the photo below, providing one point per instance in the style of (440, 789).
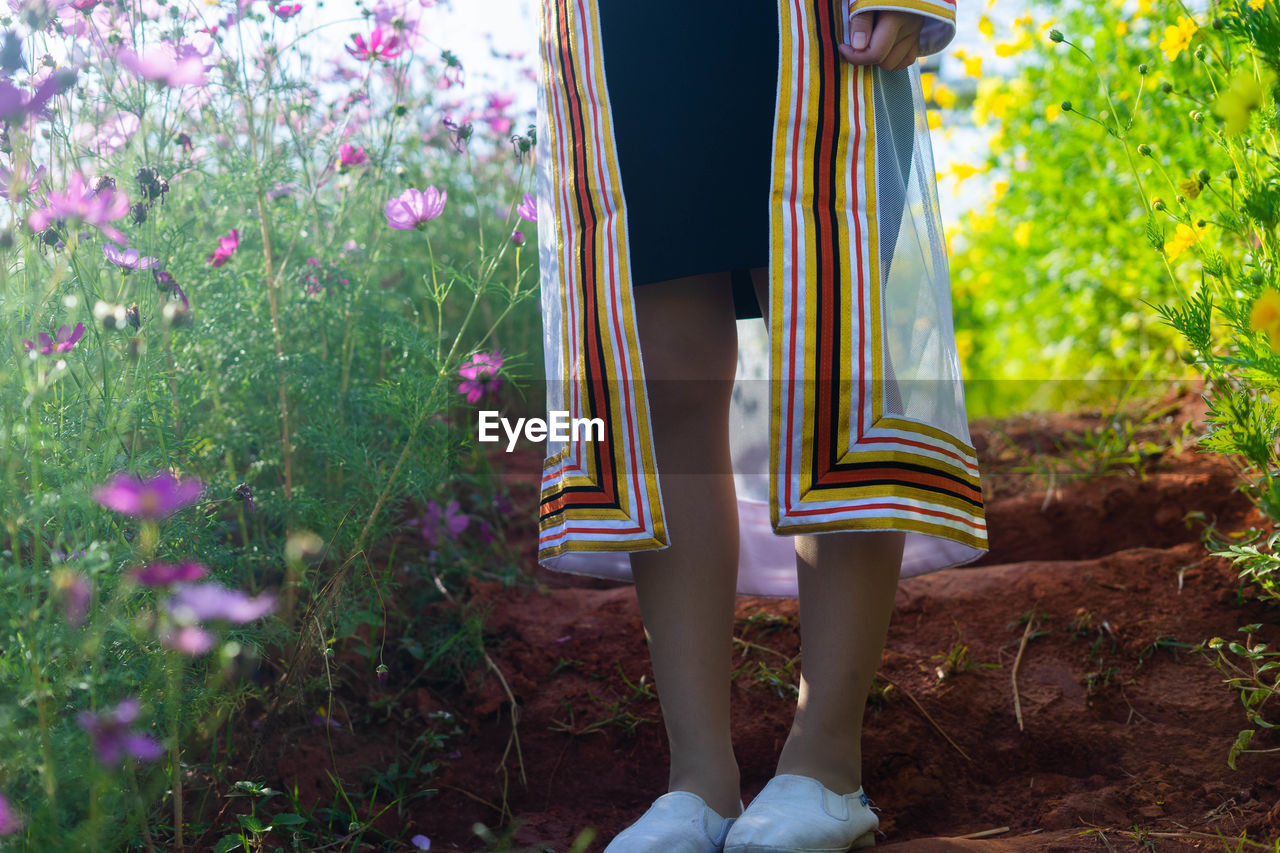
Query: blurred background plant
(241, 288)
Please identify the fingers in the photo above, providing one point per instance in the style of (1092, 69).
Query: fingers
(893, 43)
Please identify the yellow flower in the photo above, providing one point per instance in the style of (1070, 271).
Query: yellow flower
(962, 172)
(1242, 97)
(985, 27)
(1183, 238)
(1144, 6)
(998, 189)
(1256, 5)
(931, 116)
(926, 84)
(1052, 111)
(1024, 21)
(1122, 28)
(1190, 187)
(943, 97)
(1177, 37)
(1265, 317)
(1013, 48)
(964, 343)
(992, 100)
(972, 64)
(1022, 234)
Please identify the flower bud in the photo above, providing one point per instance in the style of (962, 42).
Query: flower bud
(1055, 36)
(1066, 106)
(1200, 223)
(1232, 174)
(1200, 53)
(1144, 149)
(133, 316)
(1142, 68)
(1217, 23)
(1157, 203)
(1256, 277)
(1197, 116)
(1166, 87)
(1187, 356)
(1203, 176)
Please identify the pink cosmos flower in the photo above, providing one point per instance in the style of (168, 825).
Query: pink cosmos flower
(481, 373)
(130, 259)
(284, 11)
(348, 156)
(173, 65)
(166, 574)
(10, 823)
(190, 640)
(157, 497)
(412, 208)
(211, 602)
(113, 738)
(450, 521)
(528, 209)
(81, 202)
(64, 341)
(376, 48)
(226, 248)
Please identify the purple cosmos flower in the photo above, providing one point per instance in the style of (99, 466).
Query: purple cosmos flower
(190, 640)
(412, 208)
(10, 823)
(528, 209)
(76, 592)
(214, 602)
(130, 259)
(164, 574)
(421, 842)
(449, 520)
(284, 11)
(81, 202)
(158, 497)
(112, 737)
(64, 340)
(18, 185)
(481, 373)
(16, 104)
(226, 248)
(348, 156)
(376, 48)
(173, 65)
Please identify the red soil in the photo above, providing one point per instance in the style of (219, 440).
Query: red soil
(1125, 732)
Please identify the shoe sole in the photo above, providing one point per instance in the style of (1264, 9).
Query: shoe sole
(860, 843)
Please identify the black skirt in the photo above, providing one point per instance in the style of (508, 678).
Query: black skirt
(692, 87)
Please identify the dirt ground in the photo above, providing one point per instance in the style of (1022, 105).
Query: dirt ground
(1125, 730)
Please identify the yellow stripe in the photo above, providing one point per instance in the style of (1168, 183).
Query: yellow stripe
(850, 494)
(931, 431)
(972, 539)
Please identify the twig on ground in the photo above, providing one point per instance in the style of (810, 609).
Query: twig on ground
(1017, 702)
(467, 793)
(515, 714)
(932, 722)
(984, 833)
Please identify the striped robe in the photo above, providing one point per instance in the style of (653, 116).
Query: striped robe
(848, 411)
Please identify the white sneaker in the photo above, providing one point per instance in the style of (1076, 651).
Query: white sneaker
(677, 822)
(797, 814)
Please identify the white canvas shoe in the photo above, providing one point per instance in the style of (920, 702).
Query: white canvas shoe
(797, 814)
(677, 822)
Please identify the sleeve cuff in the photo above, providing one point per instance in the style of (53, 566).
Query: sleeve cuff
(939, 25)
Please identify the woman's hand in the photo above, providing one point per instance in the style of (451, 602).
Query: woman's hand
(889, 39)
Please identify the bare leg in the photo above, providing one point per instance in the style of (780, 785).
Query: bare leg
(689, 343)
(847, 584)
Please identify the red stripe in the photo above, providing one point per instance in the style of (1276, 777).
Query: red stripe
(890, 440)
(977, 525)
(795, 264)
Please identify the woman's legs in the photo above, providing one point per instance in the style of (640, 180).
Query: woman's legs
(689, 344)
(847, 583)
